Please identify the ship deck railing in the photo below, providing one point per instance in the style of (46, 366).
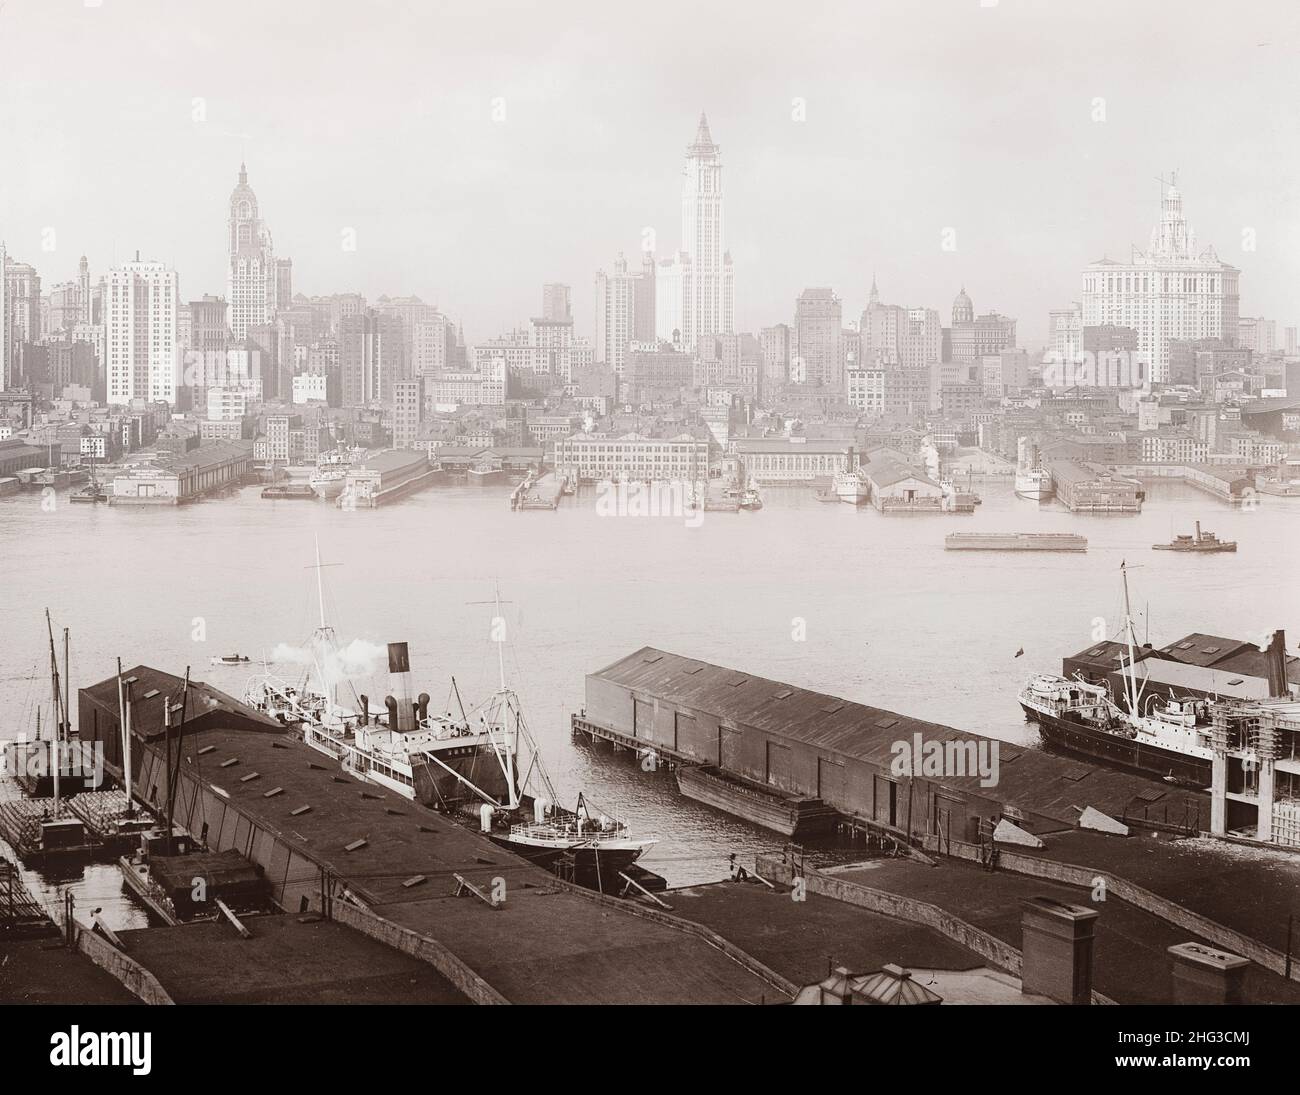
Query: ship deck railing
(548, 831)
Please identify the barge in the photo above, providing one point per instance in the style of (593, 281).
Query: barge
(1015, 541)
(784, 812)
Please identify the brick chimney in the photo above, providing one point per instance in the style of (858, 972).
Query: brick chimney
(1203, 975)
(1056, 950)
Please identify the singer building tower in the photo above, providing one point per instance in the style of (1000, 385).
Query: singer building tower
(693, 289)
(251, 276)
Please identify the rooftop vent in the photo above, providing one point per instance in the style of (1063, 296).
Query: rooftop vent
(150, 694)
(833, 706)
(250, 777)
(784, 694)
(693, 669)
(650, 659)
(886, 723)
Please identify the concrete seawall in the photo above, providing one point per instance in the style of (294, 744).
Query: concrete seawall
(418, 946)
(134, 977)
(996, 952)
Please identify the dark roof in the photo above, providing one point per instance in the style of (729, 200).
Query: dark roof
(205, 707)
(1198, 649)
(1033, 781)
(1105, 654)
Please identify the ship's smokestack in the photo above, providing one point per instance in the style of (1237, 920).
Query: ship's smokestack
(1276, 659)
(399, 675)
(365, 709)
(422, 706)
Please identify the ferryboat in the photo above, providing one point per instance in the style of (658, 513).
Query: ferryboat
(1169, 739)
(1033, 481)
(849, 486)
(1205, 542)
(751, 499)
(328, 483)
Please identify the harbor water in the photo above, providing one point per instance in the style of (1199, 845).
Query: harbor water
(822, 595)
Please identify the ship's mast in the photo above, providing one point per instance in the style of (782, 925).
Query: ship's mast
(320, 585)
(55, 758)
(323, 640)
(1130, 678)
(124, 721)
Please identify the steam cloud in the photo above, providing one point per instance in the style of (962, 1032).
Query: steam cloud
(359, 658)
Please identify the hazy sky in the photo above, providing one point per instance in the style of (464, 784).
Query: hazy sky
(920, 115)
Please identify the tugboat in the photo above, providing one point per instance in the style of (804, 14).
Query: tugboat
(1201, 541)
(751, 499)
(229, 659)
(1170, 740)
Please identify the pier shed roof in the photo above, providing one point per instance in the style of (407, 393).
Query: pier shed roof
(206, 706)
(545, 943)
(1028, 779)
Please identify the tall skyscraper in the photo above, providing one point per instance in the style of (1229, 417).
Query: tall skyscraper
(251, 276)
(616, 297)
(816, 349)
(775, 344)
(1170, 291)
(22, 285)
(141, 351)
(6, 356)
(555, 303)
(694, 290)
(371, 357)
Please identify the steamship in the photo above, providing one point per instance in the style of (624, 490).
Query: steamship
(1170, 739)
(436, 760)
(1033, 481)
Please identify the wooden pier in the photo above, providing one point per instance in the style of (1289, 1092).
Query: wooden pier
(669, 758)
(21, 916)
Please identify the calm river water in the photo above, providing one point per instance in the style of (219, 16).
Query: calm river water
(888, 617)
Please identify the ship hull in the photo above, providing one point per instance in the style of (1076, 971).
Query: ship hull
(595, 868)
(1088, 741)
(783, 812)
(328, 489)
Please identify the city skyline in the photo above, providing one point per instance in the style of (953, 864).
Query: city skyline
(815, 192)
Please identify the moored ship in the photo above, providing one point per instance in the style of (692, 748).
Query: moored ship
(1033, 481)
(1169, 739)
(851, 487)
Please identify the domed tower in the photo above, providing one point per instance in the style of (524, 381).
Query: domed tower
(963, 311)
